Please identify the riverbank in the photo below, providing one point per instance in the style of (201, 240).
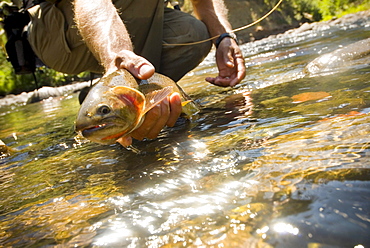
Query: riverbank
(354, 18)
(47, 92)
(42, 94)
(290, 14)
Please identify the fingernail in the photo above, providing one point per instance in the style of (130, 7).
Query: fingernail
(144, 70)
(175, 98)
(230, 64)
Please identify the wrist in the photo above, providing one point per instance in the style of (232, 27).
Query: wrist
(223, 36)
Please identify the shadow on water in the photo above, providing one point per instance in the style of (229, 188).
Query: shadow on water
(282, 160)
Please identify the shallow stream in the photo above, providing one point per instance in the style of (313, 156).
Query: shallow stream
(282, 160)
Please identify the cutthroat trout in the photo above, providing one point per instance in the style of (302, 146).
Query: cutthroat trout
(116, 105)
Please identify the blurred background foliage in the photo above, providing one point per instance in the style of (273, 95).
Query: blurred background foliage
(10, 83)
(326, 9)
(290, 14)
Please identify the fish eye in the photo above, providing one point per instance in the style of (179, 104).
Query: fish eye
(103, 110)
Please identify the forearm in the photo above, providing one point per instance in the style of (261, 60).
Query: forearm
(214, 14)
(102, 30)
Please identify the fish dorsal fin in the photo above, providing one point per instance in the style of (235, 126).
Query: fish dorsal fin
(117, 80)
(155, 97)
(120, 78)
(130, 96)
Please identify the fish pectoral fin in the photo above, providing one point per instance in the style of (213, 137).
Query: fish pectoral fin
(155, 97)
(130, 96)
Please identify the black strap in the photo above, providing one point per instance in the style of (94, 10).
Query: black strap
(223, 36)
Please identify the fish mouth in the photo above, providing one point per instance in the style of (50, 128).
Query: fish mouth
(106, 133)
(87, 131)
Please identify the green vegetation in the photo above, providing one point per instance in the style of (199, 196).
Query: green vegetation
(318, 10)
(326, 9)
(311, 10)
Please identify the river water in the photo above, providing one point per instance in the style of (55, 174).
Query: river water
(282, 160)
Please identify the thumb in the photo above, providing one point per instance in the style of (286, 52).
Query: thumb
(137, 65)
(229, 60)
(145, 71)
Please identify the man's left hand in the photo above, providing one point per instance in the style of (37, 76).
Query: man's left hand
(230, 63)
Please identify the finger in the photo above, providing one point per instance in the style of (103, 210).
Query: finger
(226, 50)
(151, 118)
(145, 71)
(175, 109)
(141, 69)
(141, 132)
(125, 141)
(220, 81)
(161, 120)
(137, 65)
(229, 60)
(241, 72)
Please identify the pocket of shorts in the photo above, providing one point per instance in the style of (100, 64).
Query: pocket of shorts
(47, 29)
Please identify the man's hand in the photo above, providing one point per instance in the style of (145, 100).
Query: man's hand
(230, 64)
(164, 114)
(137, 65)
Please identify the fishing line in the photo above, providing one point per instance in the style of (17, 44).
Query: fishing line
(232, 31)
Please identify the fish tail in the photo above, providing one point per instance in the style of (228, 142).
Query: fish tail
(190, 108)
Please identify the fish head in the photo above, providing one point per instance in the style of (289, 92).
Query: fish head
(110, 113)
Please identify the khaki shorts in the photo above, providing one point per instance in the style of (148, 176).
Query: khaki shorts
(55, 40)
